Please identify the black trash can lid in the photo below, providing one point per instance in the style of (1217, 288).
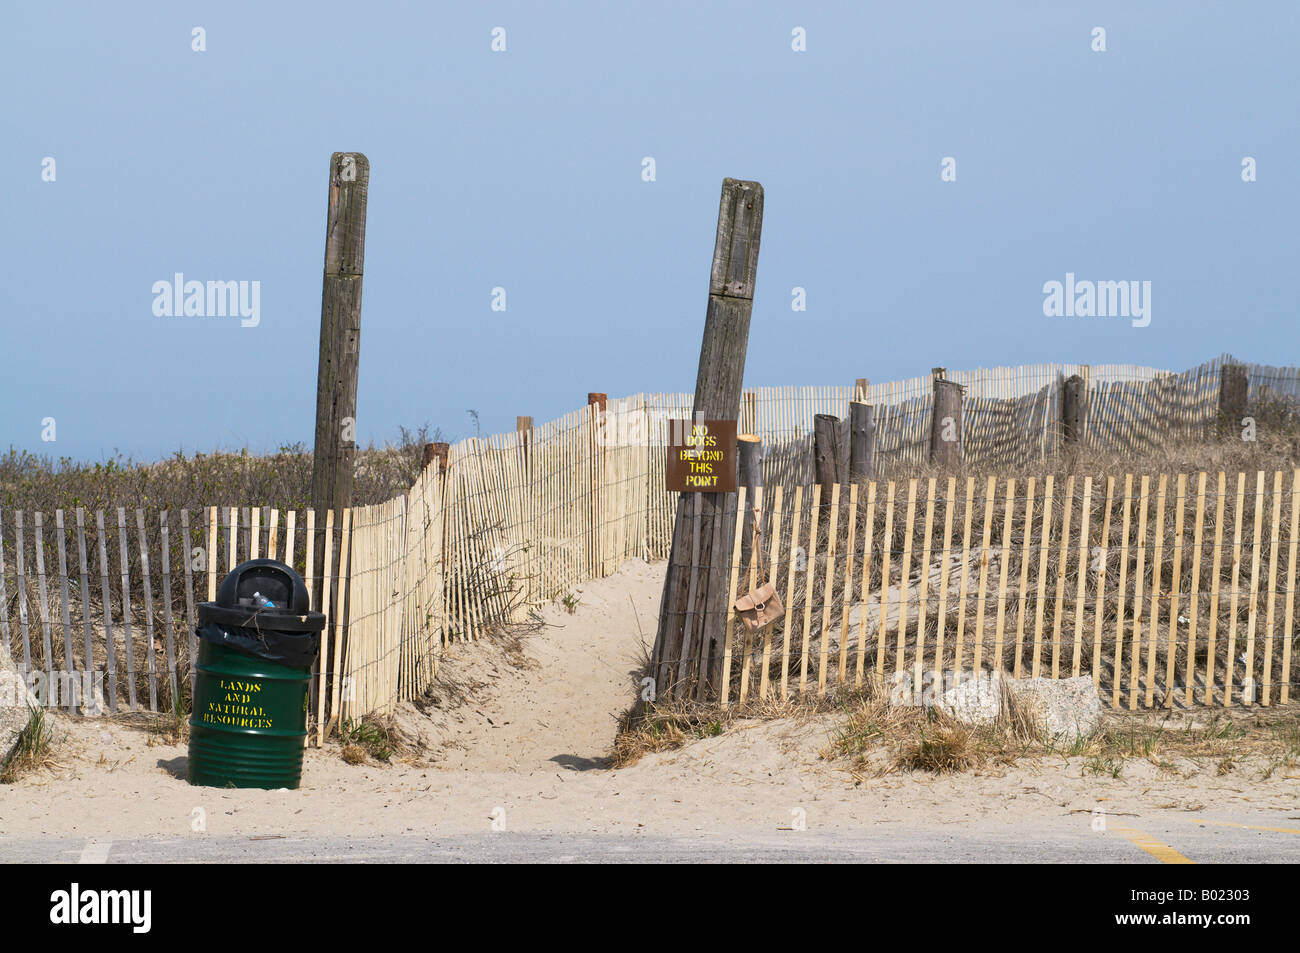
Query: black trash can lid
(263, 593)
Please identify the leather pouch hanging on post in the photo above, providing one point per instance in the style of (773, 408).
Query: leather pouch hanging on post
(762, 606)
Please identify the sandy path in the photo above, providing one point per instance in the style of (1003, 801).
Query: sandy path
(559, 709)
(527, 749)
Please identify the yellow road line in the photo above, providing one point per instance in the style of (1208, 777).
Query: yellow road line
(1160, 851)
(1247, 827)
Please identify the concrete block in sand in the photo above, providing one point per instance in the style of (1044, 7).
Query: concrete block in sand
(970, 698)
(1063, 709)
(16, 702)
(974, 700)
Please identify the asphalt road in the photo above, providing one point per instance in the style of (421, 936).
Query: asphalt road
(1170, 842)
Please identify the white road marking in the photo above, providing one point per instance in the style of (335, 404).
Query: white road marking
(95, 853)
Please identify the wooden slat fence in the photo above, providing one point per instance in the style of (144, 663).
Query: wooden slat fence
(518, 519)
(1167, 591)
(98, 608)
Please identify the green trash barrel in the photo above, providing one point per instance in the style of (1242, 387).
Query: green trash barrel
(257, 644)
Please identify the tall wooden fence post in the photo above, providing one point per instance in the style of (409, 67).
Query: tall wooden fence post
(946, 423)
(1074, 411)
(862, 442)
(334, 455)
(1234, 385)
(340, 343)
(692, 614)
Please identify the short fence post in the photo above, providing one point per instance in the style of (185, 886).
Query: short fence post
(749, 473)
(1074, 411)
(862, 442)
(524, 432)
(946, 423)
(749, 413)
(441, 451)
(860, 389)
(524, 428)
(827, 459)
(1234, 385)
(437, 451)
(597, 418)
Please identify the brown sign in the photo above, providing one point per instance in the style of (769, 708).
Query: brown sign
(701, 456)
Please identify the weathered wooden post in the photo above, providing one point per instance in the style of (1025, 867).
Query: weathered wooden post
(693, 610)
(828, 465)
(596, 416)
(439, 451)
(1074, 411)
(340, 344)
(749, 474)
(945, 424)
(524, 428)
(529, 555)
(860, 389)
(862, 442)
(749, 413)
(1234, 386)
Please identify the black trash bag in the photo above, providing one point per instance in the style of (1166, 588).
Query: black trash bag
(294, 649)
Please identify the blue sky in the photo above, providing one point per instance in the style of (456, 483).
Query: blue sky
(522, 169)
